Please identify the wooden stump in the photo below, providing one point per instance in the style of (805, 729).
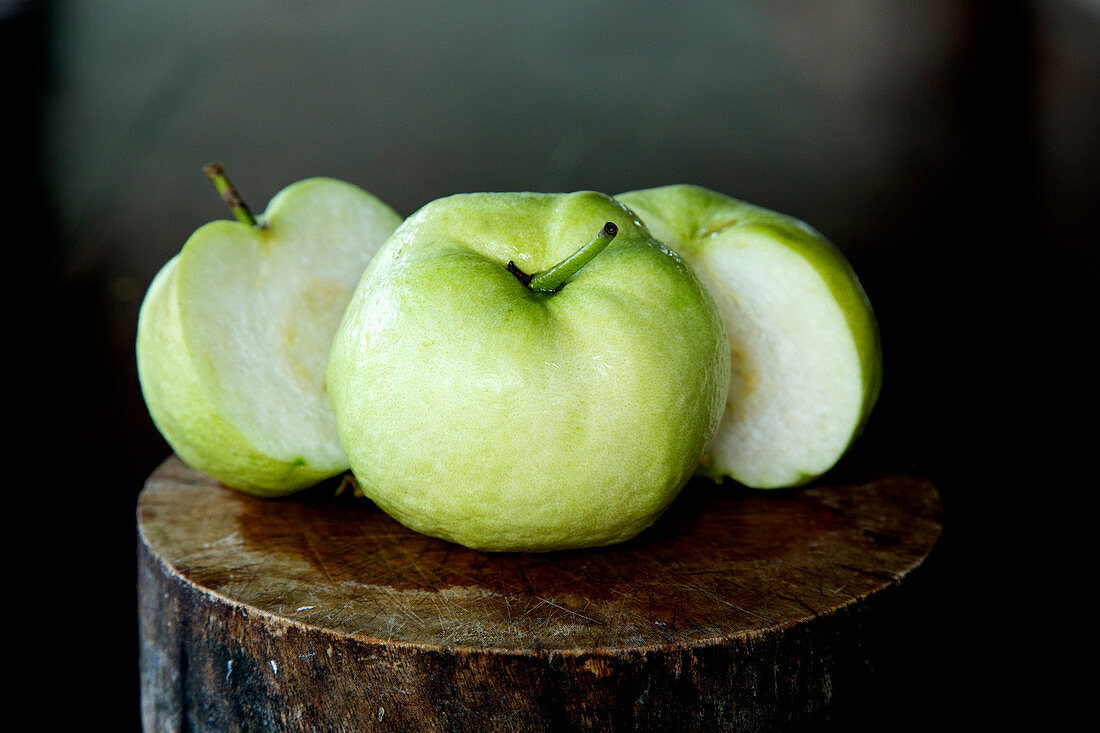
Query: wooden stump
(738, 609)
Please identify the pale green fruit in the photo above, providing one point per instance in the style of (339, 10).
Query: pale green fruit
(234, 333)
(475, 409)
(806, 359)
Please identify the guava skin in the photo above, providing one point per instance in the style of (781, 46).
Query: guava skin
(233, 336)
(807, 355)
(474, 409)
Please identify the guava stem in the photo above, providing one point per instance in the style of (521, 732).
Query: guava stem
(552, 279)
(229, 194)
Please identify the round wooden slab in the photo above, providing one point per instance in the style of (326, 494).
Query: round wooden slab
(736, 608)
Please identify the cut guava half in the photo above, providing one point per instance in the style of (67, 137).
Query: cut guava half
(805, 351)
(234, 336)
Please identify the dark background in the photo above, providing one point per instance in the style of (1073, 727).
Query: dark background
(950, 149)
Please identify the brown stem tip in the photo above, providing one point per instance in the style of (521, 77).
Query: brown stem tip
(522, 276)
(229, 195)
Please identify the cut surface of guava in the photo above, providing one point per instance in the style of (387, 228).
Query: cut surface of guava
(805, 360)
(234, 336)
(259, 307)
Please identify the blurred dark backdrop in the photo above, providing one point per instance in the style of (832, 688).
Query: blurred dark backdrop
(950, 149)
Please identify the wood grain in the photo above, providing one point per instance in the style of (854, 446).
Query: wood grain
(737, 609)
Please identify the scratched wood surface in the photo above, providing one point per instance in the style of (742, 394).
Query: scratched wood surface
(746, 590)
